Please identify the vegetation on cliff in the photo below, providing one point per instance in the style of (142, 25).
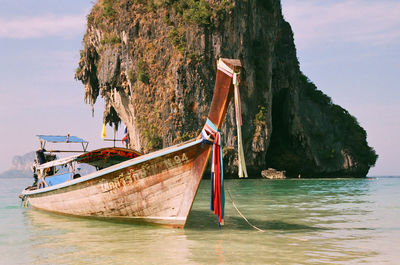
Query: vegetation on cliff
(153, 62)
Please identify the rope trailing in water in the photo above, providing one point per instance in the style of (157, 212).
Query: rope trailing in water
(211, 135)
(244, 217)
(242, 170)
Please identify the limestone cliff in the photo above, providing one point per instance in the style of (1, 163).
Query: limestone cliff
(154, 63)
(21, 166)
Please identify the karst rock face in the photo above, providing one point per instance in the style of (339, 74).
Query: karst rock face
(154, 63)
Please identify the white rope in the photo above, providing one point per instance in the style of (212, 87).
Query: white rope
(242, 171)
(244, 217)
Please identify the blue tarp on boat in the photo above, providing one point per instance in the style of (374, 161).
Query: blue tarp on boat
(57, 179)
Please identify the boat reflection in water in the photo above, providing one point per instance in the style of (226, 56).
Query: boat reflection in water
(59, 239)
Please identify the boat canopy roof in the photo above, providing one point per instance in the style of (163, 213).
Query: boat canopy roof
(106, 157)
(100, 158)
(61, 139)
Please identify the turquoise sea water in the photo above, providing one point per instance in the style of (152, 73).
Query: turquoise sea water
(320, 221)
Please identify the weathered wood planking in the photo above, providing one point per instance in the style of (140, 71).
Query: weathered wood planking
(158, 188)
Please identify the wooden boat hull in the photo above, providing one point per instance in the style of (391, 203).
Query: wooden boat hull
(157, 188)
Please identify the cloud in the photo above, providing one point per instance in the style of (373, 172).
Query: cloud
(351, 21)
(42, 26)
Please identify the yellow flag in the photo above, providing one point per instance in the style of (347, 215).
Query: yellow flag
(103, 132)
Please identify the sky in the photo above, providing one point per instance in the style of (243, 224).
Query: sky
(349, 49)
(39, 51)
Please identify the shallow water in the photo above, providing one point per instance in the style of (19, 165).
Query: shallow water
(319, 221)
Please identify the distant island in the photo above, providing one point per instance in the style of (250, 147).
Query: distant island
(21, 166)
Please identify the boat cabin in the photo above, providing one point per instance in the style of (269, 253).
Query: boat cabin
(50, 171)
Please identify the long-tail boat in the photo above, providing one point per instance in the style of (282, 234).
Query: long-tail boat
(158, 187)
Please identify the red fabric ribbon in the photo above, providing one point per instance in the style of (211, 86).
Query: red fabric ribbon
(211, 135)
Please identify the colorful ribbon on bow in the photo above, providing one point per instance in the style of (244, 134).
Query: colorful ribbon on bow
(211, 135)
